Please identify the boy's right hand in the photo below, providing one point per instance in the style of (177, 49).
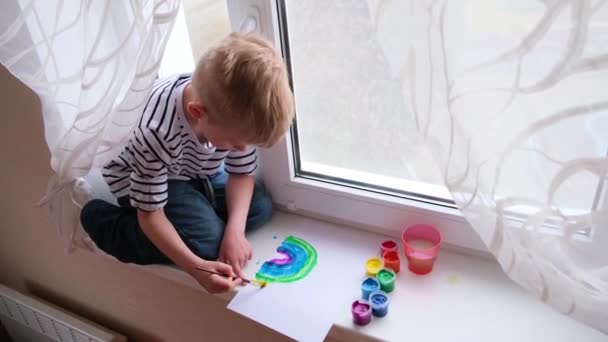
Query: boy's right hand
(214, 283)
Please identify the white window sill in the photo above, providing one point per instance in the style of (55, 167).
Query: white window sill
(465, 298)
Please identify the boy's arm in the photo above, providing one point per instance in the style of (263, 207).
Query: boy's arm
(149, 158)
(239, 190)
(161, 232)
(235, 248)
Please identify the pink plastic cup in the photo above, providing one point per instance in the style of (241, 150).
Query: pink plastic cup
(421, 243)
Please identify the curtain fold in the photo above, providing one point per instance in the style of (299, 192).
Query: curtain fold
(92, 64)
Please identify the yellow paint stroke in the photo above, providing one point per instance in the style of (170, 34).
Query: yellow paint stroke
(453, 279)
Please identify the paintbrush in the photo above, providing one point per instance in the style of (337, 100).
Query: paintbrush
(262, 284)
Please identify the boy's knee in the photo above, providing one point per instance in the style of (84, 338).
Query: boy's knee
(206, 244)
(197, 224)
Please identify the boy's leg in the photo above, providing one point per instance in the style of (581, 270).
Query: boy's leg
(116, 231)
(260, 209)
(194, 218)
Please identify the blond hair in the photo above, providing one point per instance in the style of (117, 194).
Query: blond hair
(243, 82)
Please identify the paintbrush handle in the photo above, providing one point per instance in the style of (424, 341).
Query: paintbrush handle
(221, 274)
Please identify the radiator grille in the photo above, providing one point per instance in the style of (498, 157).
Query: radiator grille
(44, 319)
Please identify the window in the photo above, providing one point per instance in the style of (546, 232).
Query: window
(350, 153)
(348, 156)
(207, 22)
(199, 25)
(350, 127)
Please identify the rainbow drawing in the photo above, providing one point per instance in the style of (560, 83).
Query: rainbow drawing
(298, 259)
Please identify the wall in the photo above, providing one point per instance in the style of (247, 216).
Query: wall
(32, 259)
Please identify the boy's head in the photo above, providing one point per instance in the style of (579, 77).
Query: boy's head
(241, 93)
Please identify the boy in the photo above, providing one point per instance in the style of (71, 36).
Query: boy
(176, 203)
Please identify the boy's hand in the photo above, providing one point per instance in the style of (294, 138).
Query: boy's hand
(161, 232)
(214, 283)
(235, 250)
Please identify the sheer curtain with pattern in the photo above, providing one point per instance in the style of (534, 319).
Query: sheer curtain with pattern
(511, 98)
(92, 64)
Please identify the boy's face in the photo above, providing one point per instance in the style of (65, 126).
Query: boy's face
(222, 137)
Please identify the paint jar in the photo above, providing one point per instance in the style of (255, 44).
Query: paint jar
(372, 266)
(368, 286)
(378, 300)
(388, 245)
(362, 312)
(391, 260)
(386, 278)
(421, 243)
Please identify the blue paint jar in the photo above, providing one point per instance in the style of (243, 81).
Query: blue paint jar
(368, 286)
(379, 302)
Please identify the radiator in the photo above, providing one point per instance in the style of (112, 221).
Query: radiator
(31, 319)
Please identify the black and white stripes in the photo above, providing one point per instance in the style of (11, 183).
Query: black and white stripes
(163, 146)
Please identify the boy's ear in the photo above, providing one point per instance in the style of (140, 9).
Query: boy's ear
(196, 109)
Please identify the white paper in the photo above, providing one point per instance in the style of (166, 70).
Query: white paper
(290, 309)
(303, 310)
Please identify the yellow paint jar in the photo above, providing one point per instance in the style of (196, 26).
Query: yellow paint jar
(372, 266)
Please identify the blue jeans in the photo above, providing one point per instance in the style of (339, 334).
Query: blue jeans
(201, 225)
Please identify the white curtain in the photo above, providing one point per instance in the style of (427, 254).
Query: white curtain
(511, 96)
(92, 64)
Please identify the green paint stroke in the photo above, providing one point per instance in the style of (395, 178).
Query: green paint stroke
(303, 255)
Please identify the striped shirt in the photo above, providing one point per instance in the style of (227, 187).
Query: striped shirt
(163, 146)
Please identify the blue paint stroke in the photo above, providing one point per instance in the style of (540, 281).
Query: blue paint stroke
(298, 259)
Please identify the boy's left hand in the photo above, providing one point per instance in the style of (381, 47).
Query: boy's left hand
(235, 250)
